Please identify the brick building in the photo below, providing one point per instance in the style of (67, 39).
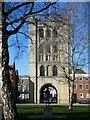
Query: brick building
(82, 87)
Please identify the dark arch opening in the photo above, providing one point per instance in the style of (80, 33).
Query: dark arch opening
(54, 70)
(42, 70)
(52, 96)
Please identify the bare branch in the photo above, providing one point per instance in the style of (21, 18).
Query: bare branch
(16, 7)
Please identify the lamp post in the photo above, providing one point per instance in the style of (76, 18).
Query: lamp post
(36, 60)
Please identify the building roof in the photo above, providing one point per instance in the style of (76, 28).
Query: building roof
(79, 71)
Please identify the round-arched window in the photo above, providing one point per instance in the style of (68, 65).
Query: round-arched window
(42, 70)
(54, 70)
(48, 33)
(41, 33)
(49, 70)
(55, 49)
(55, 34)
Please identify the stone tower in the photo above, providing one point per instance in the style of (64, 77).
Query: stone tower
(48, 50)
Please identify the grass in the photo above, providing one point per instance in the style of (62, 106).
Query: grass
(78, 111)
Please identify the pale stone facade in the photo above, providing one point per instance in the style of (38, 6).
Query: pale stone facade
(52, 48)
(24, 88)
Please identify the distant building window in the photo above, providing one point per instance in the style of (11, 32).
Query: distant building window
(87, 95)
(54, 70)
(27, 88)
(42, 71)
(80, 78)
(41, 33)
(86, 78)
(48, 32)
(80, 86)
(81, 95)
(23, 89)
(87, 86)
(19, 88)
(83, 78)
(75, 86)
(76, 78)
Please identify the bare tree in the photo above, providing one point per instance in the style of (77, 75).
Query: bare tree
(78, 43)
(12, 24)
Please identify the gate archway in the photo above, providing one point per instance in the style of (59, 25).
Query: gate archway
(52, 93)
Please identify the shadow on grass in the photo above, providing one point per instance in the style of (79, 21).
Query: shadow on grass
(78, 113)
(70, 116)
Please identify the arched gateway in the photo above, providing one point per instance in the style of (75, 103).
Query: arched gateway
(52, 93)
(46, 56)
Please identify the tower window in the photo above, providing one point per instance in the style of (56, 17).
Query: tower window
(48, 48)
(41, 33)
(46, 57)
(48, 32)
(41, 49)
(42, 57)
(55, 34)
(49, 70)
(55, 48)
(39, 57)
(54, 70)
(42, 71)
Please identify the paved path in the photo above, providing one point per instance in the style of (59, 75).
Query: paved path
(76, 104)
(43, 117)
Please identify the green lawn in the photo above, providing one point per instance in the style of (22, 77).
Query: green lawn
(78, 111)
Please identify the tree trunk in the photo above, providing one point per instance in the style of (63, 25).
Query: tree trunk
(9, 106)
(71, 96)
(71, 90)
